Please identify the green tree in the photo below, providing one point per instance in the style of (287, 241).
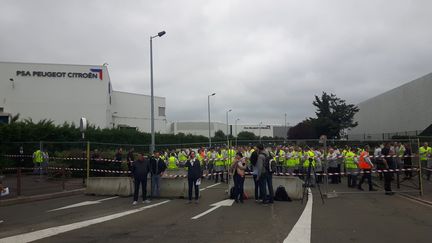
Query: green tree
(219, 136)
(244, 135)
(333, 115)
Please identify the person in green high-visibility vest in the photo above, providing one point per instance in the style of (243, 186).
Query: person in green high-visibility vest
(351, 167)
(172, 162)
(230, 153)
(219, 166)
(425, 153)
(309, 166)
(38, 159)
(290, 160)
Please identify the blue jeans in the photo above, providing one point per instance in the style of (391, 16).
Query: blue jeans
(155, 186)
(238, 187)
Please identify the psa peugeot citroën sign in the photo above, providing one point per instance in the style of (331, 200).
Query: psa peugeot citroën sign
(94, 73)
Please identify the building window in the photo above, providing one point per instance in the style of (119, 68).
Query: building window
(161, 111)
(1, 109)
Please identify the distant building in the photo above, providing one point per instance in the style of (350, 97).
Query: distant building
(65, 93)
(202, 128)
(403, 111)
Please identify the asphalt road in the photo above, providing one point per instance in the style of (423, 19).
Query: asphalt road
(347, 218)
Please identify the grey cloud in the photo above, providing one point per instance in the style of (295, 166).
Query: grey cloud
(262, 58)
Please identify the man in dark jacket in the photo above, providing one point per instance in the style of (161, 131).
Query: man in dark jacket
(194, 176)
(140, 169)
(158, 167)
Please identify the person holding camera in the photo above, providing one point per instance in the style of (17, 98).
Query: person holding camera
(238, 169)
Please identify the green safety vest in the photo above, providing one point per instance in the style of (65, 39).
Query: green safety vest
(292, 162)
(230, 157)
(172, 163)
(311, 155)
(423, 152)
(38, 156)
(349, 160)
(219, 160)
(281, 156)
(182, 157)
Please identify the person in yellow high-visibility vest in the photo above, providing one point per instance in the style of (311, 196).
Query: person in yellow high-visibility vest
(351, 168)
(219, 166)
(425, 154)
(280, 153)
(229, 160)
(172, 162)
(291, 160)
(38, 159)
(309, 166)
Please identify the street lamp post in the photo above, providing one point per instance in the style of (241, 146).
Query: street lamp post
(208, 102)
(285, 135)
(152, 147)
(236, 135)
(260, 124)
(227, 124)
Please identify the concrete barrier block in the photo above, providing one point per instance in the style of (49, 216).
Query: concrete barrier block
(293, 185)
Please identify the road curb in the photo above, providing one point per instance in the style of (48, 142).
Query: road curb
(408, 196)
(19, 200)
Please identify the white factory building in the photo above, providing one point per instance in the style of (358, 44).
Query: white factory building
(65, 93)
(202, 128)
(402, 111)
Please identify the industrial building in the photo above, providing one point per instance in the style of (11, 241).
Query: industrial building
(403, 111)
(65, 93)
(202, 128)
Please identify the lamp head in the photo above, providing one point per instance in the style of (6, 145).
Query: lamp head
(161, 33)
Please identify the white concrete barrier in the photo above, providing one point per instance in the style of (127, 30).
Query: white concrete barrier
(293, 185)
(124, 186)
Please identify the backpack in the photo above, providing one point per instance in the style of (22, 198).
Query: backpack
(281, 194)
(269, 164)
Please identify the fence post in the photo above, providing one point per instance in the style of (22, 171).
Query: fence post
(19, 181)
(63, 175)
(88, 160)
(420, 168)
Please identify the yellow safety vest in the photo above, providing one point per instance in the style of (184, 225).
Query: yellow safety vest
(172, 163)
(423, 152)
(219, 160)
(311, 155)
(349, 160)
(292, 162)
(38, 156)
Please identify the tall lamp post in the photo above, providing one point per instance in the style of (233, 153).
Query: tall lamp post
(236, 135)
(152, 147)
(208, 102)
(228, 111)
(260, 124)
(285, 135)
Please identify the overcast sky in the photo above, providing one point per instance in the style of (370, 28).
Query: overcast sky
(262, 58)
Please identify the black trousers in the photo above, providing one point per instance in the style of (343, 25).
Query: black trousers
(269, 182)
(387, 181)
(334, 178)
(143, 182)
(257, 187)
(238, 187)
(368, 176)
(408, 165)
(192, 184)
(219, 174)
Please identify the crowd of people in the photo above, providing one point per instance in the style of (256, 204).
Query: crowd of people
(263, 162)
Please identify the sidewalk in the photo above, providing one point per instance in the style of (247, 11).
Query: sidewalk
(33, 185)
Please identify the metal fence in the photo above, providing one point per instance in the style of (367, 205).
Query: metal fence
(67, 165)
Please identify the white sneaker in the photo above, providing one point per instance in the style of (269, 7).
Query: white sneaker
(134, 202)
(147, 201)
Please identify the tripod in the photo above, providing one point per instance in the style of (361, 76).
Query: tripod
(308, 182)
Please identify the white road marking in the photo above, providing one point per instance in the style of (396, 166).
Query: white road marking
(40, 234)
(203, 189)
(82, 204)
(301, 232)
(215, 206)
